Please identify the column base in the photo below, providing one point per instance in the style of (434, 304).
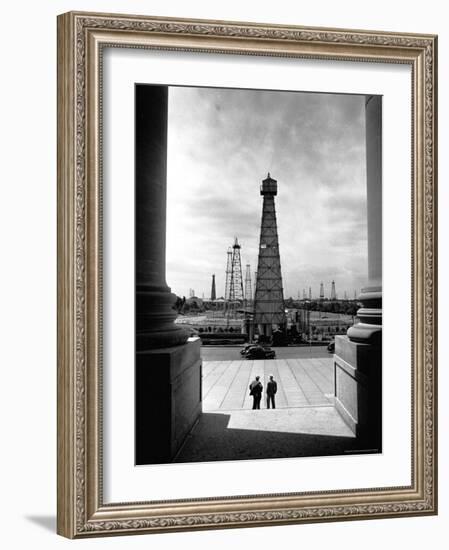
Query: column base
(168, 400)
(358, 389)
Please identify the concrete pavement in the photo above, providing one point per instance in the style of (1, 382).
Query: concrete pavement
(301, 382)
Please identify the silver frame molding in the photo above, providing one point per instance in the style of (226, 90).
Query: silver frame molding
(81, 37)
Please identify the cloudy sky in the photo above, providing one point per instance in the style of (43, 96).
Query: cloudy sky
(222, 143)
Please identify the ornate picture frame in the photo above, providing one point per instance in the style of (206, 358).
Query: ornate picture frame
(82, 39)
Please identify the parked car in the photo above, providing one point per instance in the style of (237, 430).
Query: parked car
(246, 348)
(331, 347)
(259, 352)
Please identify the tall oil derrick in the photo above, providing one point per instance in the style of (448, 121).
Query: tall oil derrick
(321, 291)
(228, 274)
(248, 286)
(269, 298)
(333, 293)
(236, 284)
(213, 293)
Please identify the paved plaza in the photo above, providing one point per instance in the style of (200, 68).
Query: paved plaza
(301, 382)
(305, 422)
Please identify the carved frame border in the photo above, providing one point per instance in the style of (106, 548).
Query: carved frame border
(81, 37)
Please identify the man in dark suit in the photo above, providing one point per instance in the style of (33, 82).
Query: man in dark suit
(272, 388)
(255, 389)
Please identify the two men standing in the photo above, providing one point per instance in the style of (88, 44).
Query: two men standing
(256, 389)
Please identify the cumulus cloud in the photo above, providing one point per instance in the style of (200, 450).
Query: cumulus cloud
(222, 143)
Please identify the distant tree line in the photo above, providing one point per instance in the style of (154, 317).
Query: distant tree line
(345, 307)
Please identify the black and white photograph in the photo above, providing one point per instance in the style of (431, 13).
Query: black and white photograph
(258, 307)
(247, 283)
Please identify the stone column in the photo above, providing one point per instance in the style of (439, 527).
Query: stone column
(168, 364)
(154, 301)
(369, 330)
(358, 356)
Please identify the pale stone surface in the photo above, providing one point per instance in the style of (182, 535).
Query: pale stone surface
(307, 420)
(346, 396)
(301, 382)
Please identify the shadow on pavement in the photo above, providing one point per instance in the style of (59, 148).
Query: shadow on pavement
(211, 440)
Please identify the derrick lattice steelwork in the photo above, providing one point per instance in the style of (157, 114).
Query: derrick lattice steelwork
(236, 284)
(228, 274)
(269, 311)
